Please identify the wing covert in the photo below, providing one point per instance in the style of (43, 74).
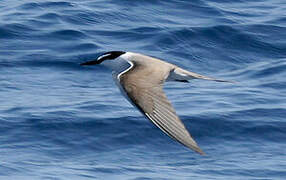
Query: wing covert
(146, 93)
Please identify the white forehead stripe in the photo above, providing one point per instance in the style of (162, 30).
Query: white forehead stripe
(102, 56)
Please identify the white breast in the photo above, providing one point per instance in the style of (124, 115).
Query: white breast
(121, 67)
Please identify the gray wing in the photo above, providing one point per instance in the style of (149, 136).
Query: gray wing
(148, 96)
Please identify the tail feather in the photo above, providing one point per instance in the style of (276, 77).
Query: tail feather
(187, 75)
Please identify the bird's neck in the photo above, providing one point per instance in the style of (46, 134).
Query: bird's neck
(117, 66)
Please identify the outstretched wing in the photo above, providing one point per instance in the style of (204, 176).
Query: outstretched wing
(145, 91)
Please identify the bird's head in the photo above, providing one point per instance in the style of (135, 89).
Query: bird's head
(105, 58)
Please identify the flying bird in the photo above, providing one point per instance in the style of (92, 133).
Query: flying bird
(140, 79)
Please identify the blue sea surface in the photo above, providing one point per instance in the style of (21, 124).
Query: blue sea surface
(62, 121)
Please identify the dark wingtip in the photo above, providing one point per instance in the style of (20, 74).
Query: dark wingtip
(226, 81)
(201, 152)
(197, 149)
(184, 81)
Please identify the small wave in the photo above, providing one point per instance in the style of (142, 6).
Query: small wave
(42, 5)
(81, 18)
(31, 6)
(15, 30)
(267, 70)
(270, 69)
(58, 4)
(49, 16)
(235, 127)
(67, 34)
(232, 127)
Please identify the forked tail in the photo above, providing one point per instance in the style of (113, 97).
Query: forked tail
(180, 74)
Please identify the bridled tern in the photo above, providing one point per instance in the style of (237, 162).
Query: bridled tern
(140, 79)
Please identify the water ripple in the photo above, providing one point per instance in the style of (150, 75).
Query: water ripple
(57, 116)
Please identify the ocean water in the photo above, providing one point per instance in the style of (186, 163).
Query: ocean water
(61, 121)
